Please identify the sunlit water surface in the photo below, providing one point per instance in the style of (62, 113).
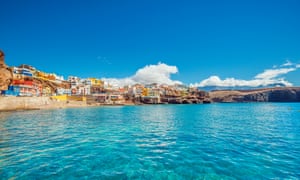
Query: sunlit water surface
(213, 141)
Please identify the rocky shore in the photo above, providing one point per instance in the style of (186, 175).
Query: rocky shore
(282, 94)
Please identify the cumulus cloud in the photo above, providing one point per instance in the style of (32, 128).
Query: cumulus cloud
(268, 77)
(232, 82)
(159, 73)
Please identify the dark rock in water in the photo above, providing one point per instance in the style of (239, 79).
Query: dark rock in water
(175, 101)
(185, 101)
(195, 101)
(206, 102)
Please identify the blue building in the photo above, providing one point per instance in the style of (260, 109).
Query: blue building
(11, 91)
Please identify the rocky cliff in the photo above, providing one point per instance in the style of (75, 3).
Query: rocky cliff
(5, 73)
(287, 94)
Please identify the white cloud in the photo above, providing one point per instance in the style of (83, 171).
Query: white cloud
(268, 77)
(272, 73)
(118, 82)
(288, 63)
(232, 82)
(159, 73)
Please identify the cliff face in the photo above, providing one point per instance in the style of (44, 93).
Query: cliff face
(5, 73)
(288, 95)
(261, 95)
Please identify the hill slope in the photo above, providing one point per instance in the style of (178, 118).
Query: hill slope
(282, 94)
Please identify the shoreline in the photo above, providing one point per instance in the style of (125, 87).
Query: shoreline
(18, 103)
(13, 104)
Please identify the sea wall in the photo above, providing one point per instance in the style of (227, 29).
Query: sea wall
(15, 103)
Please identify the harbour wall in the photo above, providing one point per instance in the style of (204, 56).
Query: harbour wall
(20, 103)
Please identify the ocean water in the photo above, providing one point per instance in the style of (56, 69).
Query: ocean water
(211, 141)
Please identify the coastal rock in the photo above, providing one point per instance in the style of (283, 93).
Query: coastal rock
(287, 94)
(5, 73)
(256, 97)
(175, 101)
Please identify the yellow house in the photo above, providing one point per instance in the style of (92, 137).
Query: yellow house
(96, 82)
(145, 92)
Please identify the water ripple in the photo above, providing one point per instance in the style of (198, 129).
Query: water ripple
(217, 141)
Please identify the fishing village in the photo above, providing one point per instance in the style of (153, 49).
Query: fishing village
(25, 81)
(25, 87)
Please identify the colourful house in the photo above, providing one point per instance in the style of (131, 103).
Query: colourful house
(96, 82)
(11, 91)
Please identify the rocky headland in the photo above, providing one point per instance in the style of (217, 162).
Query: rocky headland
(282, 94)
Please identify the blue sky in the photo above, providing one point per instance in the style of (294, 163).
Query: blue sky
(115, 38)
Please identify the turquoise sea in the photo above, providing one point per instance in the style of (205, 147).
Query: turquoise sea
(211, 141)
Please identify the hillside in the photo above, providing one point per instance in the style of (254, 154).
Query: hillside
(282, 94)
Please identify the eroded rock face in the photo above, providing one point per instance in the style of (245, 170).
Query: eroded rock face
(288, 94)
(5, 73)
(2, 64)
